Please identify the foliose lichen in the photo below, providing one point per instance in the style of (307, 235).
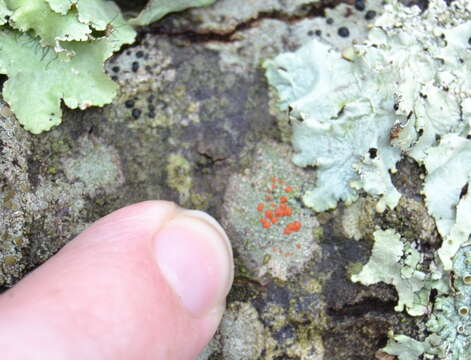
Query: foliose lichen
(54, 51)
(366, 105)
(449, 325)
(405, 91)
(396, 263)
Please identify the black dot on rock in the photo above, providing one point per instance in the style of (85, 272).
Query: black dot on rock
(330, 21)
(115, 68)
(129, 103)
(139, 54)
(469, 41)
(343, 32)
(360, 5)
(135, 66)
(373, 152)
(310, 33)
(136, 113)
(370, 15)
(318, 33)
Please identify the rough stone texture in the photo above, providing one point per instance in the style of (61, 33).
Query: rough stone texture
(193, 112)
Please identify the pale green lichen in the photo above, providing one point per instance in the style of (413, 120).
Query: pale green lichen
(449, 324)
(354, 112)
(449, 173)
(396, 263)
(4, 12)
(338, 127)
(51, 57)
(157, 9)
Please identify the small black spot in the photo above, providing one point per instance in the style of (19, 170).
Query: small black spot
(396, 106)
(310, 33)
(360, 5)
(433, 295)
(420, 132)
(343, 32)
(129, 103)
(115, 68)
(139, 54)
(370, 15)
(373, 152)
(135, 66)
(468, 137)
(136, 113)
(151, 114)
(318, 33)
(469, 41)
(464, 191)
(330, 21)
(114, 78)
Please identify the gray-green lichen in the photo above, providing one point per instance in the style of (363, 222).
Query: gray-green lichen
(396, 263)
(242, 333)
(45, 201)
(157, 9)
(449, 324)
(405, 90)
(269, 250)
(357, 112)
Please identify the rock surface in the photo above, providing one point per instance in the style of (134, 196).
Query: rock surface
(193, 112)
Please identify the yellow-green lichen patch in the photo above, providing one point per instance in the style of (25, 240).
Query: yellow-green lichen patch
(179, 176)
(273, 233)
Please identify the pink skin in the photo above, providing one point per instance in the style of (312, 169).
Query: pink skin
(118, 291)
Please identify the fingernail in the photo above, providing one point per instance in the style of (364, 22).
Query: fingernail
(195, 257)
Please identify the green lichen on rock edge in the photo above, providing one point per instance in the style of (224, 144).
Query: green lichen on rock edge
(51, 57)
(355, 113)
(157, 9)
(54, 51)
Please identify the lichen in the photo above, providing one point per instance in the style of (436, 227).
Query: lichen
(53, 53)
(404, 91)
(262, 209)
(157, 9)
(357, 112)
(350, 130)
(396, 263)
(179, 176)
(449, 174)
(449, 325)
